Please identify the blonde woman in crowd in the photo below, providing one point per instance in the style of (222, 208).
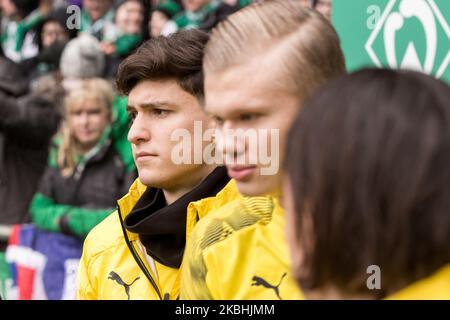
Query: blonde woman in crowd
(86, 173)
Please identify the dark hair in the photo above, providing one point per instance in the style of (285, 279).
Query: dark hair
(314, 3)
(369, 164)
(59, 16)
(178, 56)
(25, 7)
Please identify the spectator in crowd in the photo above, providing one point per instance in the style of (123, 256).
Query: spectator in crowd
(43, 71)
(161, 22)
(224, 9)
(19, 17)
(56, 4)
(27, 123)
(142, 244)
(78, 3)
(86, 172)
(195, 12)
(373, 200)
(125, 35)
(54, 29)
(127, 31)
(255, 80)
(324, 7)
(52, 36)
(95, 15)
(82, 58)
(50, 87)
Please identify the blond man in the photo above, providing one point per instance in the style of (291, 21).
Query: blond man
(260, 65)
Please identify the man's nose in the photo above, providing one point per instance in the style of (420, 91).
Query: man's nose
(139, 131)
(230, 142)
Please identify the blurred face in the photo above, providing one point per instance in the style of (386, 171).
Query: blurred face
(305, 3)
(53, 32)
(8, 8)
(194, 5)
(97, 8)
(324, 7)
(129, 17)
(157, 109)
(249, 98)
(87, 121)
(157, 23)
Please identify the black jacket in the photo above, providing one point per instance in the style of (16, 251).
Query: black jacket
(26, 127)
(75, 204)
(98, 184)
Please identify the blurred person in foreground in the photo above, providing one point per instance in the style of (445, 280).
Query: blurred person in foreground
(367, 188)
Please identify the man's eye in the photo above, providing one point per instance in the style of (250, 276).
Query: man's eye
(218, 120)
(248, 117)
(132, 115)
(160, 112)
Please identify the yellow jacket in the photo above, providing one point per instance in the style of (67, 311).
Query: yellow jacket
(240, 252)
(434, 287)
(114, 267)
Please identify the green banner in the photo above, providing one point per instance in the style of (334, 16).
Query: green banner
(5, 277)
(410, 34)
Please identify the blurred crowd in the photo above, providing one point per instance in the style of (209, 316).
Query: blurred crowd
(362, 191)
(64, 155)
(49, 49)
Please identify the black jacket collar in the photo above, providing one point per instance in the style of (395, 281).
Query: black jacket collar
(162, 228)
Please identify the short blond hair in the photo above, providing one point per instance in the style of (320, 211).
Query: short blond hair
(309, 49)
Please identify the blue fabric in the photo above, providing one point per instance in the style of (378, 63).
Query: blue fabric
(57, 248)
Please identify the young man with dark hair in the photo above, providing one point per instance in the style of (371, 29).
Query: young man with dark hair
(136, 252)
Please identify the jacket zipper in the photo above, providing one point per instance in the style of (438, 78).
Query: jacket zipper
(137, 258)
